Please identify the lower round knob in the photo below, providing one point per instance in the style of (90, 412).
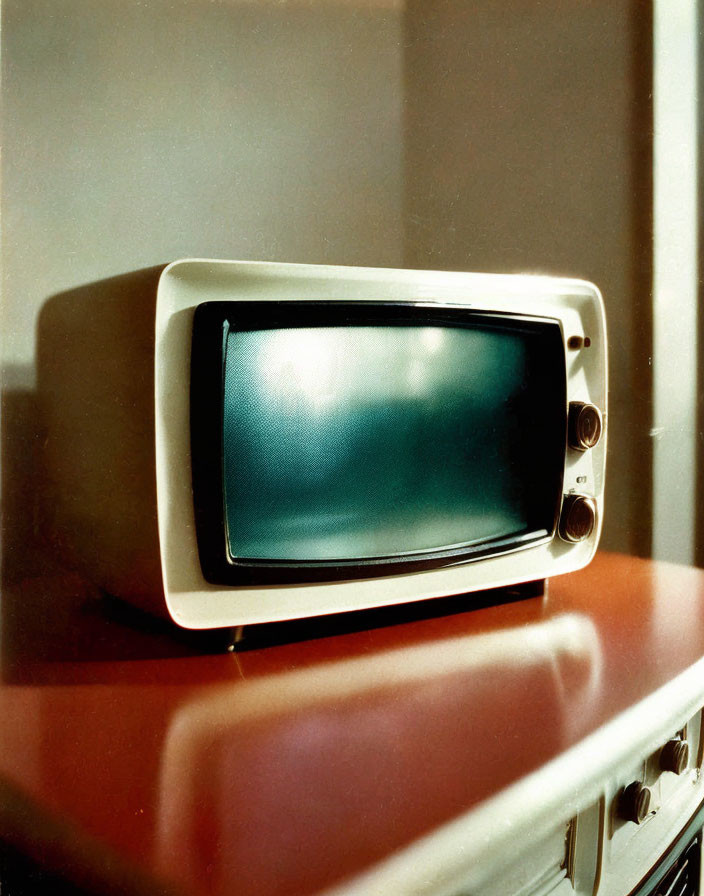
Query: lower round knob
(577, 519)
(634, 803)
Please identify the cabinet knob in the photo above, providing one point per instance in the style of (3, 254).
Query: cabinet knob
(634, 803)
(674, 756)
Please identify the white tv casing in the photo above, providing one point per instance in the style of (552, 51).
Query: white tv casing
(194, 603)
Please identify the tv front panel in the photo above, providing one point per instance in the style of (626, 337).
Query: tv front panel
(331, 439)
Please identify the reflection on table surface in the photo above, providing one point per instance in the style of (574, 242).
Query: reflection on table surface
(292, 766)
(344, 762)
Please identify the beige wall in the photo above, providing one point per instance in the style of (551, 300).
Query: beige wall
(136, 133)
(527, 149)
(477, 136)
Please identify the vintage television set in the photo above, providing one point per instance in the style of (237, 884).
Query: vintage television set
(326, 439)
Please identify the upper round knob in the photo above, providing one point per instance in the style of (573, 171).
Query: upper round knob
(674, 756)
(584, 425)
(634, 803)
(578, 518)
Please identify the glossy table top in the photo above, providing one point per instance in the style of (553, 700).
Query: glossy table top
(137, 758)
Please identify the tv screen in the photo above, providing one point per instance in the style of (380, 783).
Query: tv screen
(336, 437)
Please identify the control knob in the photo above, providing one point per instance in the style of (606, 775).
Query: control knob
(577, 519)
(583, 425)
(674, 756)
(634, 803)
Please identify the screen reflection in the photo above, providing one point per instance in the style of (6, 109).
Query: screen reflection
(305, 777)
(362, 442)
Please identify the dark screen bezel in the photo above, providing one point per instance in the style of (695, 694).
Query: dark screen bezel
(213, 320)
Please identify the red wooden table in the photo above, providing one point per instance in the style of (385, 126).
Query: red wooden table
(133, 760)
